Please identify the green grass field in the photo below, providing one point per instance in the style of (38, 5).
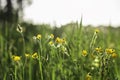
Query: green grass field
(72, 52)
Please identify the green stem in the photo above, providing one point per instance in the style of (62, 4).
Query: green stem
(40, 62)
(23, 44)
(4, 76)
(40, 66)
(23, 72)
(15, 72)
(30, 78)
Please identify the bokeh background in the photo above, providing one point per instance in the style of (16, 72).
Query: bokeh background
(77, 27)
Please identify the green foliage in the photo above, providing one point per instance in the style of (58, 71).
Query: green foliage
(71, 52)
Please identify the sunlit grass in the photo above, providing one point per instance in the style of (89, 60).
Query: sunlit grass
(80, 54)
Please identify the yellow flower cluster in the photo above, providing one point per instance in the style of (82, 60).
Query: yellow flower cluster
(59, 40)
(109, 50)
(34, 55)
(16, 58)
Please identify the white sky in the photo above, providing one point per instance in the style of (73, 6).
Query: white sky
(94, 12)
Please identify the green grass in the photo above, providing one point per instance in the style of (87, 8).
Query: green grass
(63, 58)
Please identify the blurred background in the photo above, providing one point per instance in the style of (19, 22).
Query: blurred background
(95, 12)
(55, 16)
(73, 21)
(61, 12)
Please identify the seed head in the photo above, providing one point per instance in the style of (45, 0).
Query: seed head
(19, 29)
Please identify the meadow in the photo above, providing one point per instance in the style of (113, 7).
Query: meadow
(71, 52)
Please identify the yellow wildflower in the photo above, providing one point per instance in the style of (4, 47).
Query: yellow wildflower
(114, 55)
(98, 49)
(97, 30)
(88, 77)
(16, 58)
(51, 43)
(84, 53)
(58, 40)
(51, 36)
(109, 51)
(63, 40)
(38, 36)
(27, 55)
(35, 56)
